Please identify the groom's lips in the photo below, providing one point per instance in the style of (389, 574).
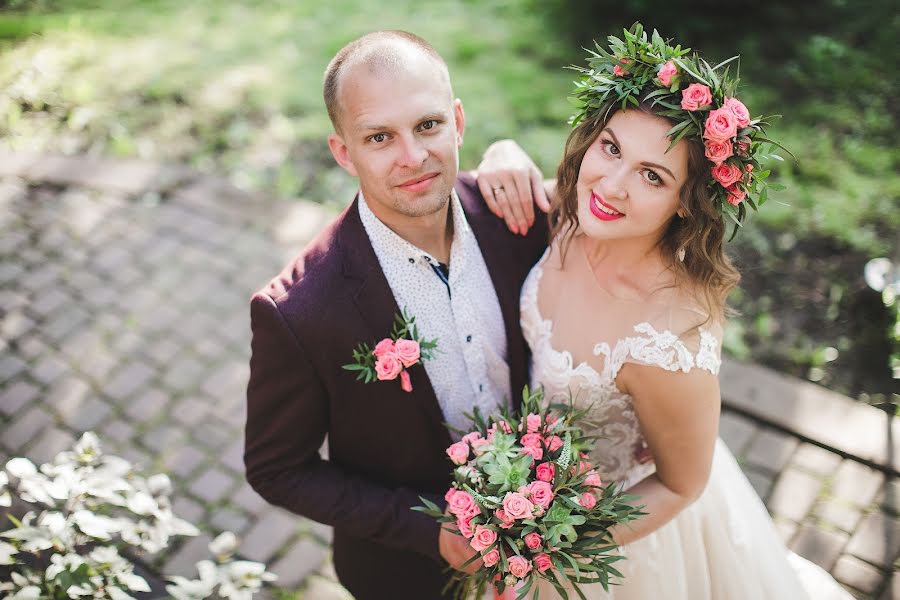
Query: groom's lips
(419, 184)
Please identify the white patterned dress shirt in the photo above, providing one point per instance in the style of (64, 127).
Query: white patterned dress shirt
(470, 366)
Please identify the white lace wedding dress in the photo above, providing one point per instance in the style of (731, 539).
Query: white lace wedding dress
(724, 546)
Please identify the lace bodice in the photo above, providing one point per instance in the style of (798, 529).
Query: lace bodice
(620, 444)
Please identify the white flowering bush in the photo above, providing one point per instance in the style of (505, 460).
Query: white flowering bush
(93, 504)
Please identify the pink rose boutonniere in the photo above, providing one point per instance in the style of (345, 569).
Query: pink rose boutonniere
(393, 356)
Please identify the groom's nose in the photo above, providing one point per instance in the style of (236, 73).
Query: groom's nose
(412, 151)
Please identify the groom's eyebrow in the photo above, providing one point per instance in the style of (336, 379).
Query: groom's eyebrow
(615, 140)
(438, 115)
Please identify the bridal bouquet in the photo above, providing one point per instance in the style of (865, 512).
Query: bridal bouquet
(530, 503)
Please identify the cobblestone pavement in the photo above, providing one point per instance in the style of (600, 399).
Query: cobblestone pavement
(123, 310)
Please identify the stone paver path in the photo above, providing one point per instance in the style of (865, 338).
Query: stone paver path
(124, 292)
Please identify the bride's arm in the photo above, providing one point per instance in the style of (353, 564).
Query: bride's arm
(679, 417)
(512, 185)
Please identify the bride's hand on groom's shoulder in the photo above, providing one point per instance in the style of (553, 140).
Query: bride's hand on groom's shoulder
(511, 185)
(455, 549)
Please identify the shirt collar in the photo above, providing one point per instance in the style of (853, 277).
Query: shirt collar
(387, 243)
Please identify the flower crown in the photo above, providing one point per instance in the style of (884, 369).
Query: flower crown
(698, 97)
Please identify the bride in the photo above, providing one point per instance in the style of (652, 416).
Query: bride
(625, 314)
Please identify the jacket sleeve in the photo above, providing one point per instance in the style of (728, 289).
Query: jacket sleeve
(287, 421)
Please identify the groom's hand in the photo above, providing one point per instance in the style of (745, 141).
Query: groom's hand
(455, 549)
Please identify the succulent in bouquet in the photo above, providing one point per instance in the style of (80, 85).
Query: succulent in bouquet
(530, 503)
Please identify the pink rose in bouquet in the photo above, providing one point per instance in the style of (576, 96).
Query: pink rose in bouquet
(458, 453)
(541, 493)
(533, 540)
(545, 471)
(542, 562)
(483, 538)
(531, 517)
(517, 506)
(519, 566)
(491, 558)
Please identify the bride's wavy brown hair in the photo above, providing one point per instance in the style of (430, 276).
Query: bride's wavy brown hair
(701, 232)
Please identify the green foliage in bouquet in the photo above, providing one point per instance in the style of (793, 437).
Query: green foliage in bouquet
(531, 504)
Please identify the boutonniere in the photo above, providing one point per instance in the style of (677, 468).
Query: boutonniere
(394, 355)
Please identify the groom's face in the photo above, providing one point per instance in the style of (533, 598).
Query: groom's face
(399, 131)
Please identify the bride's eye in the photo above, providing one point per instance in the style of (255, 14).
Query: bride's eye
(610, 148)
(653, 178)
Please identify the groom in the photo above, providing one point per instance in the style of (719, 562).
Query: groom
(418, 236)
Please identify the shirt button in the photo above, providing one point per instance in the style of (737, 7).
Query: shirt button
(468, 338)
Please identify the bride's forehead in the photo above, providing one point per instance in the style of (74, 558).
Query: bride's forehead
(643, 133)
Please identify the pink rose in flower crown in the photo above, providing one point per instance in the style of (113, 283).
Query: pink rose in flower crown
(464, 524)
(721, 125)
(587, 500)
(405, 382)
(407, 351)
(517, 506)
(727, 174)
(546, 471)
(491, 558)
(519, 566)
(739, 110)
(717, 151)
(384, 347)
(542, 562)
(461, 503)
(695, 97)
(534, 540)
(554, 443)
(533, 423)
(483, 538)
(666, 73)
(736, 195)
(387, 367)
(458, 453)
(504, 426)
(541, 493)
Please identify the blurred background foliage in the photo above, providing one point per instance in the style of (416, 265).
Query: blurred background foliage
(235, 87)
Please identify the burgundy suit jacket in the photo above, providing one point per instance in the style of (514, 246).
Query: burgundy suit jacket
(386, 447)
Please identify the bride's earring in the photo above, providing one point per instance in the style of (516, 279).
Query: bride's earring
(680, 254)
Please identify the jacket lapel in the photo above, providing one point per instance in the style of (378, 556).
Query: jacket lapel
(372, 295)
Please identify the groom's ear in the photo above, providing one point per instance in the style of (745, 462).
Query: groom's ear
(459, 116)
(341, 153)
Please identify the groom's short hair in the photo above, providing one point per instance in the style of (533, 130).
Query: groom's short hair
(377, 50)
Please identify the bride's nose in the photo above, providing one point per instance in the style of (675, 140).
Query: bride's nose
(614, 183)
